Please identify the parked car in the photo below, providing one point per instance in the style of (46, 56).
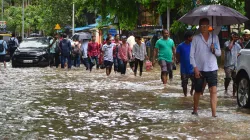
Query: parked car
(32, 52)
(242, 78)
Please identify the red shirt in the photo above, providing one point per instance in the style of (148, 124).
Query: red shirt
(93, 49)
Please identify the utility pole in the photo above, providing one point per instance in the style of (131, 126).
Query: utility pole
(73, 19)
(168, 19)
(23, 21)
(2, 10)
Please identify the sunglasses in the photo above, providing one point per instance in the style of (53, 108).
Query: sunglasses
(204, 25)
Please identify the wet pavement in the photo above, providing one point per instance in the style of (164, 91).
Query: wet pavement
(50, 103)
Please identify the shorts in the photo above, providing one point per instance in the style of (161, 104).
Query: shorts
(165, 66)
(184, 79)
(230, 73)
(2, 58)
(108, 64)
(209, 77)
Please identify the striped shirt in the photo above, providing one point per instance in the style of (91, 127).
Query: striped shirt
(139, 52)
(201, 55)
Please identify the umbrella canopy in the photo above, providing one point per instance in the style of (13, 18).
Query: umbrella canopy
(82, 36)
(222, 15)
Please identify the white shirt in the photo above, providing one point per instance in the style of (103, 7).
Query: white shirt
(108, 51)
(131, 41)
(231, 55)
(201, 55)
(84, 48)
(139, 52)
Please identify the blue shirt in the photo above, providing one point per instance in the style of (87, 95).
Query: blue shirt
(148, 43)
(184, 50)
(5, 47)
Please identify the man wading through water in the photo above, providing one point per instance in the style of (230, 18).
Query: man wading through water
(108, 49)
(183, 56)
(203, 54)
(232, 49)
(165, 49)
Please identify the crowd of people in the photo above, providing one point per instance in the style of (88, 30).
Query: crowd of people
(197, 56)
(8, 46)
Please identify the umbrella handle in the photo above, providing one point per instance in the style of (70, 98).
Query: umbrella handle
(212, 29)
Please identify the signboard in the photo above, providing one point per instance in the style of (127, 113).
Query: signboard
(57, 27)
(2, 24)
(112, 31)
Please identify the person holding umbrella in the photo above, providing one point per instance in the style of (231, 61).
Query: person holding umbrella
(205, 48)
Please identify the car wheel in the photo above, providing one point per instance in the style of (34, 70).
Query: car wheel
(243, 93)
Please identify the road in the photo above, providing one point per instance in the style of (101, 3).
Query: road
(50, 103)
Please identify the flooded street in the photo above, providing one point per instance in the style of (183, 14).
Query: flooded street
(50, 103)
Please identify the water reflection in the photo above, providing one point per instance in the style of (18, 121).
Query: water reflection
(51, 103)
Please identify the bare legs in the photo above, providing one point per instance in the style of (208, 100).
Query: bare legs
(213, 100)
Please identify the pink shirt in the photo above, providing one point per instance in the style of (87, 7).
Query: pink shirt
(124, 52)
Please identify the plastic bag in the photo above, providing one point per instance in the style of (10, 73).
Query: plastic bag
(149, 65)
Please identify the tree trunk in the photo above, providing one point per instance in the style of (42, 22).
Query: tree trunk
(247, 9)
(12, 3)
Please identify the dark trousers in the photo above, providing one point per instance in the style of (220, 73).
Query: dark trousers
(57, 59)
(51, 59)
(137, 61)
(54, 59)
(86, 63)
(77, 61)
(170, 74)
(115, 60)
(122, 66)
(63, 60)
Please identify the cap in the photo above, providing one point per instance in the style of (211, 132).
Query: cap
(246, 31)
(234, 33)
(123, 37)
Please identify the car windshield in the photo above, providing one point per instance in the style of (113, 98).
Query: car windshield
(34, 43)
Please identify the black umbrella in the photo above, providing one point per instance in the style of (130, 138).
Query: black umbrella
(82, 36)
(219, 14)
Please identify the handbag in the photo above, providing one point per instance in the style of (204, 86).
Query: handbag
(174, 66)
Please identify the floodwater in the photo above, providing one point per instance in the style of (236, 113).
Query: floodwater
(50, 103)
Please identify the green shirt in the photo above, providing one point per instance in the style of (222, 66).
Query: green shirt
(165, 51)
(52, 49)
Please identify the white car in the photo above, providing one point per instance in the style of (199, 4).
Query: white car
(243, 77)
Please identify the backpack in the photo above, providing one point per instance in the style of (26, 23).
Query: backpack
(12, 43)
(76, 50)
(1, 47)
(65, 46)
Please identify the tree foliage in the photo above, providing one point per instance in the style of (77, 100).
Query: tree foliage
(45, 14)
